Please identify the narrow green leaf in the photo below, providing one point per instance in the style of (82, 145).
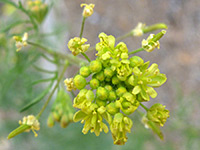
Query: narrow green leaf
(37, 99)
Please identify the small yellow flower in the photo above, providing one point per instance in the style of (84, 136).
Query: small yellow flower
(88, 10)
(31, 121)
(138, 31)
(149, 45)
(21, 41)
(69, 84)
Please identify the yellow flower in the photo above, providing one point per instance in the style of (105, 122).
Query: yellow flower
(69, 84)
(21, 41)
(88, 10)
(31, 121)
(149, 45)
(138, 31)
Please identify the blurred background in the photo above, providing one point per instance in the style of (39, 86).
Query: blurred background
(178, 58)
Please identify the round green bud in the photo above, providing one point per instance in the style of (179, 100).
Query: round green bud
(100, 76)
(90, 95)
(115, 80)
(108, 72)
(102, 93)
(112, 109)
(100, 102)
(129, 97)
(108, 87)
(95, 66)
(85, 71)
(94, 83)
(136, 61)
(79, 82)
(126, 104)
(107, 79)
(120, 91)
(112, 96)
(124, 55)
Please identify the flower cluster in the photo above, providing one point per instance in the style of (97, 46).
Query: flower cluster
(62, 110)
(77, 45)
(38, 9)
(32, 122)
(118, 84)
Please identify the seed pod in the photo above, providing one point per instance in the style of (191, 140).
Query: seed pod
(85, 71)
(79, 82)
(94, 83)
(95, 66)
(102, 93)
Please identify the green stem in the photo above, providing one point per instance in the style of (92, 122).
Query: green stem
(86, 57)
(51, 94)
(136, 51)
(144, 107)
(124, 36)
(72, 59)
(82, 27)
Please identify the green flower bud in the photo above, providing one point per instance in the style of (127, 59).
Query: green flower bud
(94, 83)
(100, 76)
(158, 114)
(95, 66)
(85, 71)
(56, 116)
(112, 109)
(64, 121)
(79, 82)
(101, 103)
(115, 80)
(136, 61)
(102, 93)
(108, 87)
(112, 96)
(108, 72)
(90, 95)
(124, 56)
(120, 91)
(129, 97)
(50, 121)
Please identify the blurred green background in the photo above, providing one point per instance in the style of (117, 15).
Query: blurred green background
(178, 58)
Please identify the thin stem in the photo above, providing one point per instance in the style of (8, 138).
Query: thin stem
(86, 57)
(144, 107)
(44, 70)
(82, 27)
(72, 59)
(51, 94)
(124, 36)
(136, 51)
